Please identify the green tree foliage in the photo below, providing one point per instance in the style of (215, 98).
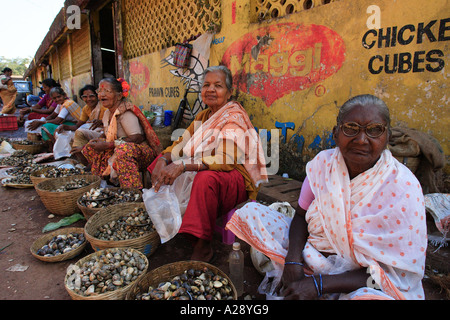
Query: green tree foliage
(18, 65)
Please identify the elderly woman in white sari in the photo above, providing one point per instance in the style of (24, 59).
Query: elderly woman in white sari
(359, 231)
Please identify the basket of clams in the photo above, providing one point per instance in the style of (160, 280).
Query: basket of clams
(33, 147)
(20, 177)
(105, 275)
(125, 225)
(60, 196)
(96, 199)
(184, 280)
(54, 173)
(59, 245)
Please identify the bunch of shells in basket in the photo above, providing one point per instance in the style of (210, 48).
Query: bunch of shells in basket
(24, 142)
(133, 225)
(61, 172)
(18, 158)
(72, 185)
(20, 179)
(103, 197)
(61, 244)
(29, 169)
(111, 270)
(193, 284)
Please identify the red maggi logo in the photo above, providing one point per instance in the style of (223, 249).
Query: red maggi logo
(273, 61)
(140, 77)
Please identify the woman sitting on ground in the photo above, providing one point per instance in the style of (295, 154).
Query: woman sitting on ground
(359, 231)
(90, 125)
(68, 112)
(8, 92)
(128, 142)
(225, 176)
(45, 107)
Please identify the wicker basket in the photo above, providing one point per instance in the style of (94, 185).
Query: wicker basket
(35, 137)
(64, 203)
(89, 212)
(169, 271)
(147, 244)
(47, 237)
(111, 295)
(34, 148)
(36, 176)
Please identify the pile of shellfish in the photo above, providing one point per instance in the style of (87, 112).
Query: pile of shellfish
(25, 142)
(61, 244)
(133, 225)
(61, 172)
(191, 285)
(72, 185)
(112, 270)
(21, 175)
(103, 197)
(18, 158)
(22, 179)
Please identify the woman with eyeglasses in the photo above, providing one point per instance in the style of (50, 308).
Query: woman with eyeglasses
(90, 125)
(359, 231)
(128, 144)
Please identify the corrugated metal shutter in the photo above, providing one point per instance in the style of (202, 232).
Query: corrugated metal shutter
(64, 61)
(81, 50)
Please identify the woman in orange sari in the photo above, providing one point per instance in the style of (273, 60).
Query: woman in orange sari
(8, 92)
(222, 146)
(128, 144)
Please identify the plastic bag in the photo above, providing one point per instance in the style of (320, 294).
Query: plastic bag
(6, 148)
(167, 206)
(62, 145)
(270, 282)
(38, 130)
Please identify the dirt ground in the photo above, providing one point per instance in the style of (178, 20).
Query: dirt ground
(23, 216)
(22, 220)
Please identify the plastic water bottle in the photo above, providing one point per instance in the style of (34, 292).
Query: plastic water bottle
(236, 263)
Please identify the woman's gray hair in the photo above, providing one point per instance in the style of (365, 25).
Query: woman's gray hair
(364, 100)
(58, 90)
(226, 71)
(115, 84)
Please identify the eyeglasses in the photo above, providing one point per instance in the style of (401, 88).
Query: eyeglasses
(88, 96)
(103, 91)
(372, 130)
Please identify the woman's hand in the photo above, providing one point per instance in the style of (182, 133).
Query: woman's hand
(101, 145)
(35, 124)
(61, 129)
(165, 174)
(291, 273)
(303, 289)
(96, 124)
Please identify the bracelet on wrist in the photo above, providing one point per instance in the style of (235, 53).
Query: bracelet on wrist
(184, 165)
(165, 160)
(319, 286)
(294, 263)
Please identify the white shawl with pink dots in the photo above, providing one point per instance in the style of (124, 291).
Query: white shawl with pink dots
(374, 221)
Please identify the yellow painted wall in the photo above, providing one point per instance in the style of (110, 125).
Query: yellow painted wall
(311, 62)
